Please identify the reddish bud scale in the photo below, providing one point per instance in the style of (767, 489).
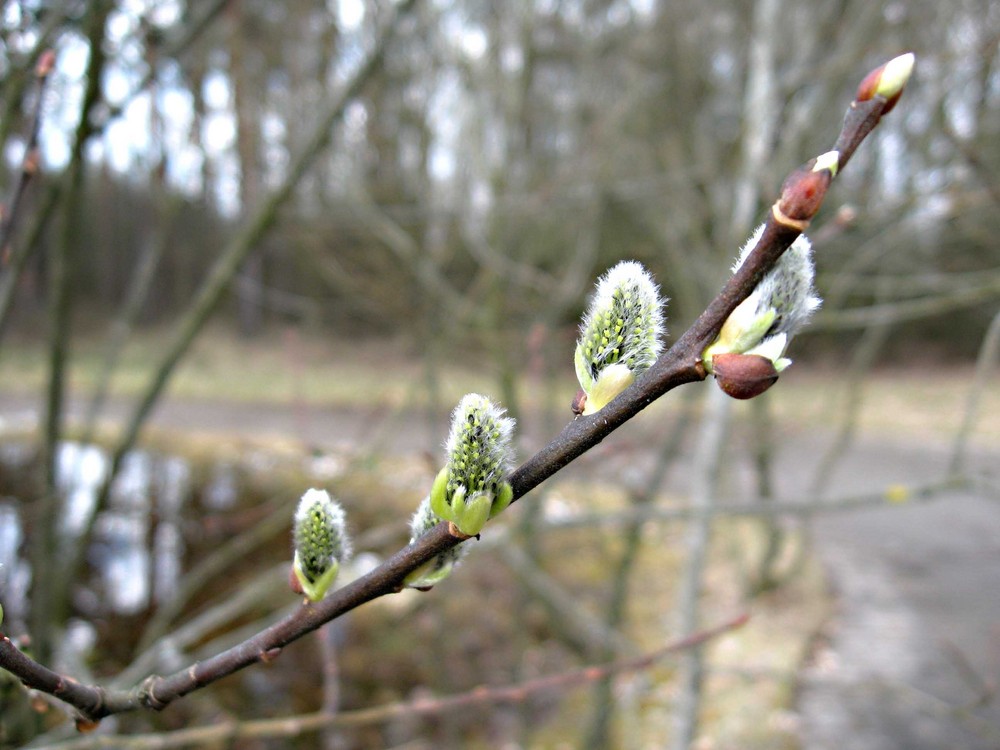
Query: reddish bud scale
(869, 84)
(803, 191)
(887, 81)
(743, 376)
(46, 62)
(31, 160)
(293, 581)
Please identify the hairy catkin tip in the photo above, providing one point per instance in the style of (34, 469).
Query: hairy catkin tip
(321, 543)
(622, 327)
(478, 445)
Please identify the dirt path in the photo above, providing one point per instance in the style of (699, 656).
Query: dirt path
(914, 651)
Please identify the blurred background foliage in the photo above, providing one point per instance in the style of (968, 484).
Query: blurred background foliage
(500, 158)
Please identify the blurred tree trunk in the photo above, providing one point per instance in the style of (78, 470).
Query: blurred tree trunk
(247, 93)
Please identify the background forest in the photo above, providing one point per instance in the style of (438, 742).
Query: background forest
(343, 215)
(496, 160)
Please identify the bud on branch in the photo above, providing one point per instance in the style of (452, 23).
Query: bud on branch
(887, 81)
(472, 487)
(321, 544)
(619, 337)
(748, 353)
(437, 569)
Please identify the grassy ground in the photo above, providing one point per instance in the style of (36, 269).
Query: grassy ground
(914, 403)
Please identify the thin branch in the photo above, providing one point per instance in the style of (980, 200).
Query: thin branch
(584, 632)
(989, 353)
(296, 726)
(906, 310)
(894, 494)
(800, 199)
(29, 163)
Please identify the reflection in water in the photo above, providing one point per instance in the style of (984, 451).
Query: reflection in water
(15, 575)
(148, 488)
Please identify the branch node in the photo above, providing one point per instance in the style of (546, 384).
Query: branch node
(269, 655)
(147, 696)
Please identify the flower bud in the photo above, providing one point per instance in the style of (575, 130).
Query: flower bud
(438, 568)
(766, 320)
(472, 487)
(321, 543)
(619, 336)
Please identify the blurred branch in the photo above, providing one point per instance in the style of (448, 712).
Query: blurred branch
(865, 355)
(893, 494)
(898, 312)
(171, 49)
(401, 244)
(10, 211)
(801, 197)
(8, 280)
(296, 726)
(989, 353)
(271, 582)
(208, 568)
(705, 478)
(584, 632)
(598, 734)
(50, 580)
(12, 261)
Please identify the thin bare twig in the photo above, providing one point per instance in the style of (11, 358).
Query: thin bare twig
(989, 352)
(295, 726)
(29, 162)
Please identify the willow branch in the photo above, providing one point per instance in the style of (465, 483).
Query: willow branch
(800, 199)
(296, 726)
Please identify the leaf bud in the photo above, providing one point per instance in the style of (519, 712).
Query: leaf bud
(888, 81)
(767, 319)
(744, 376)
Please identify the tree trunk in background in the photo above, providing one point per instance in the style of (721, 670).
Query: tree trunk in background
(250, 282)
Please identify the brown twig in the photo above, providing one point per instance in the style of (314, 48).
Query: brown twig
(295, 726)
(30, 161)
(801, 196)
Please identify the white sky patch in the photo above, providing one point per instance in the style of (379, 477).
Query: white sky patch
(216, 91)
(218, 132)
(165, 13)
(119, 27)
(474, 43)
(116, 86)
(350, 14)
(643, 7)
